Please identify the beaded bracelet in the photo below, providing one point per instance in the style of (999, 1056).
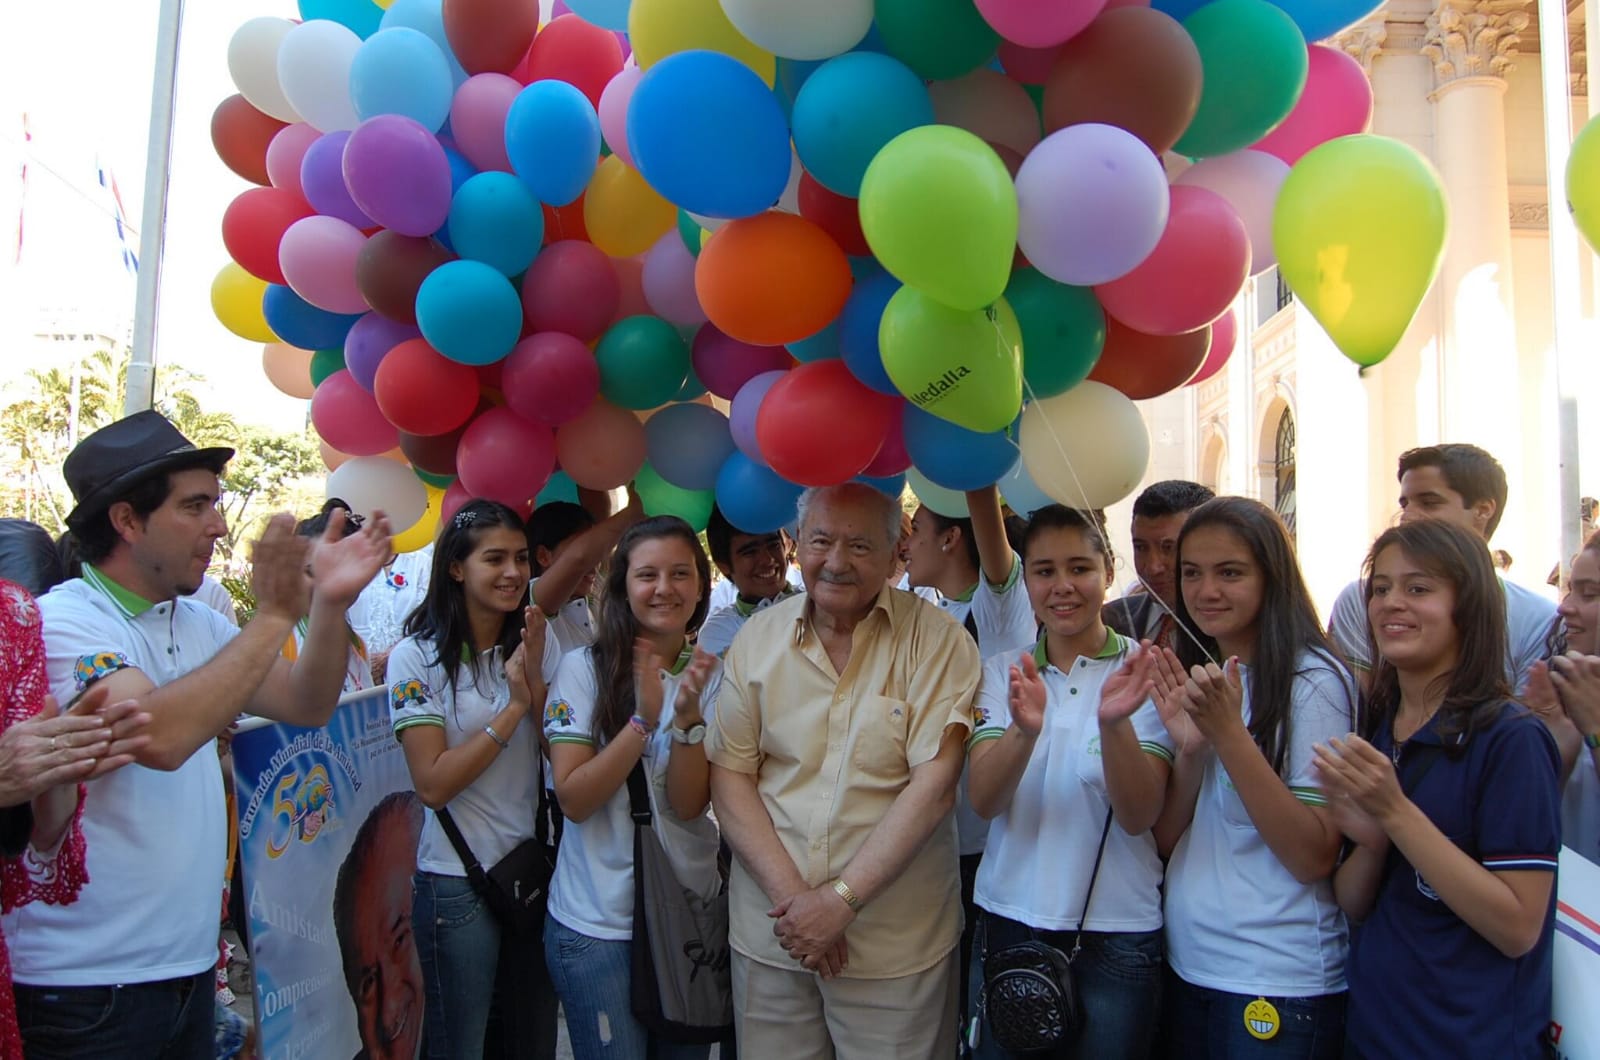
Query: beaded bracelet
(639, 725)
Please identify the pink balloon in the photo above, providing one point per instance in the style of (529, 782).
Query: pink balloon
(990, 104)
(630, 277)
(550, 378)
(724, 364)
(1039, 23)
(603, 448)
(478, 119)
(893, 458)
(614, 111)
(1224, 336)
(505, 458)
(571, 287)
(742, 413)
(1250, 181)
(348, 418)
(285, 153)
(455, 498)
(668, 281)
(1196, 271)
(1337, 101)
(318, 258)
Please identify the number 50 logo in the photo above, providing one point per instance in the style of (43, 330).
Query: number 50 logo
(301, 809)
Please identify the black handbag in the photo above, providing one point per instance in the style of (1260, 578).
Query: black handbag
(517, 887)
(1030, 998)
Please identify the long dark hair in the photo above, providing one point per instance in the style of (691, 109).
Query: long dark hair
(1286, 626)
(613, 643)
(1476, 689)
(441, 619)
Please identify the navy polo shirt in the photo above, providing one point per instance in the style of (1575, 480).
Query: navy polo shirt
(1422, 982)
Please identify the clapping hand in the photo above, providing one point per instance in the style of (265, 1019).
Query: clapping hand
(1355, 770)
(1169, 688)
(686, 709)
(343, 566)
(1126, 690)
(1215, 698)
(1028, 697)
(648, 690)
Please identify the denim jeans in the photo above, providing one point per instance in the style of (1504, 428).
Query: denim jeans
(488, 992)
(592, 977)
(1118, 975)
(168, 1020)
(1203, 1024)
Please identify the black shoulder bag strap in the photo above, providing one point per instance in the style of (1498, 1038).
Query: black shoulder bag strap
(1430, 755)
(639, 796)
(469, 861)
(1094, 875)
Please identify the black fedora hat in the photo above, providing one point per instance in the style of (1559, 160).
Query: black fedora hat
(120, 455)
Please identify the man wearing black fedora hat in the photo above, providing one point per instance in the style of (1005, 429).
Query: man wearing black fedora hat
(126, 970)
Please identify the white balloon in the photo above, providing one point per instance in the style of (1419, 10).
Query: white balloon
(253, 65)
(948, 503)
(314, 70)
(789, 201)
(812, 29)
(1087, 448)
(370, 483)
(1250, 181)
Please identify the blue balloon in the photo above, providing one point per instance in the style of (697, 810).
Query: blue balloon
(893, 486)
(822, 346)
(1318, 19)
(401, 71)
(495, 219)
(1019, 491)
(848, 109)
(461, 170)
(299, 323)
(858, 331)
(361, 17)
(709, 135)
(753, 498)
(792, 75)
(560, 487)
(688, 444)
(553, 140)
(607, 14)
(469, 312)
(1180, 9)
(427, 18)
(954, 457)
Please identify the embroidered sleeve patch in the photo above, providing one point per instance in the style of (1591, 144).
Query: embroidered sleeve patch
(409, 693)
(91, 668)
(558, 713)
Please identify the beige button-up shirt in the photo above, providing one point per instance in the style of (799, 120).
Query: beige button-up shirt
(831, 752)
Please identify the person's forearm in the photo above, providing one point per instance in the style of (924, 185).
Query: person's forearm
(994, 770)
(584, 790)
(688, 780)
(995, 557)
(555, 586)
(748, 828)
(1177, 808)
(895, 841)
(454, 769)
(53, 811)
(316, 679)
(1134, 781)
(1306, 844)
(1569, 741)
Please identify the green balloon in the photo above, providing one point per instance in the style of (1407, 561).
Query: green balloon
(643, 362)
(938, 39)
(661, 497)
(559, 488)
(939, 209)
(690, 232)
(1063, 331)
(324, 363)
(961, 365)
(440, 481)
(692, 388)
(1254, 64)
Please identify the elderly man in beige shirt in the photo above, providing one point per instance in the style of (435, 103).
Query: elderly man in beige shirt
(839, 740)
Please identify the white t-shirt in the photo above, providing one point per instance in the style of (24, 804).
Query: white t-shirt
(380, 612)
(1041, 850)
(1580, 808)
(156, 841)
(722, 625)
(592, 892)
(1236, 919)
(572, 624)
(496, 811)
(1529, 619)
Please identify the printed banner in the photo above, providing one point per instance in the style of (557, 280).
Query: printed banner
(1574, 1019)
(328, 831)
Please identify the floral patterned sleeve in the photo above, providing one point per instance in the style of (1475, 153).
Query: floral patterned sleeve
(51, 876)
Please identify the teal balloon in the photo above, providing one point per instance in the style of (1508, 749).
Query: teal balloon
(690, 232)
(1063, 331)
(324, 363)
(361, 17)
(644, 363)
(939, 39)
(660, 497)
(495, 219)
(559, 488)
(1254, 64)
(824, 345)
(437, 481)
(835, 135)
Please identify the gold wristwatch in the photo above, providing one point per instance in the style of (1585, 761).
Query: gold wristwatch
(843, 890)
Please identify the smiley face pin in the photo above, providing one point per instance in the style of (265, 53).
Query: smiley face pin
(1261, 1019)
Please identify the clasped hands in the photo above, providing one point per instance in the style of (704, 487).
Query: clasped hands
(810, 926)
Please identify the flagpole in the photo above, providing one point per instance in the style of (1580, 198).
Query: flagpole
(153, 217)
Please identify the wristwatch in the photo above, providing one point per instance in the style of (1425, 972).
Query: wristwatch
(692, 735)
(843, 890)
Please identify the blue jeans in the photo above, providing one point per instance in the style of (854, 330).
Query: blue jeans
(488, 992)
(1119, 984)
(168, 1020)
(592, 978)
(1204, 1024)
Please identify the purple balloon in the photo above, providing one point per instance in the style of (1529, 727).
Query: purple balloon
(742, 414)
(397, 172)
(373, 336)
(724, 364)
(322, 180)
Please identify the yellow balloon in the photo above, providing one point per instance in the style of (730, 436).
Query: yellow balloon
(1583, 182)
(236, 299)
(659, 28)
(624, 215)
(420, 533)
(1359, 229)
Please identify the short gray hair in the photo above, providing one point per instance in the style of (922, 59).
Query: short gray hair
(852, 492)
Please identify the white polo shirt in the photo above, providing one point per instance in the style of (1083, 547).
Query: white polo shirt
(496, 811)
(592, 892)
(1237, 920)
(1041, 850)
(156, 841)
(572, 624)
(722, 625)
(379, 614)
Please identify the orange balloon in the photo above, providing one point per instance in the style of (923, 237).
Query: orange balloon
(288, 368)
(602, 449)
(772, 279)
(331, 457)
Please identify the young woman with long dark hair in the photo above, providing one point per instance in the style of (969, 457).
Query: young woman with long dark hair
(1452, 800)
(1255, 941)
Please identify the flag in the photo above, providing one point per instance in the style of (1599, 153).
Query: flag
(108, 180)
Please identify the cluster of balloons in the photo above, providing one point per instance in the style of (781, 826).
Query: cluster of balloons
(946, 239)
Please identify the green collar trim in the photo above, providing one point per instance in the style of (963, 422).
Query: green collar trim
(683, 658)
(746, 609)
(1115, 645)
(131, 604)
(966, 597)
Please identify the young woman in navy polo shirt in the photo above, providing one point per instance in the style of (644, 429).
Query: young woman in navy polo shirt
(1453, 803)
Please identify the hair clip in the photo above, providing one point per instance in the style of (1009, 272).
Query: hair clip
(464, 518)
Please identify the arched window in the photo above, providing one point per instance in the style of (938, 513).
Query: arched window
(1283, 470)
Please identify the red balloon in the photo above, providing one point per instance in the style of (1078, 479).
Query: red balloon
(490, 36)
(550, 378)
(348, 418)
(893, 458)
(835, 214)
(818, 426)
(422, 392)
(564, 222)
(571, 50)
(390, 268)
(455, 498)
(1146, 366)
(253, 226)
(241, 135)
(1196, 271)
(506, 458)
(1224, 336)
(573, 288)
